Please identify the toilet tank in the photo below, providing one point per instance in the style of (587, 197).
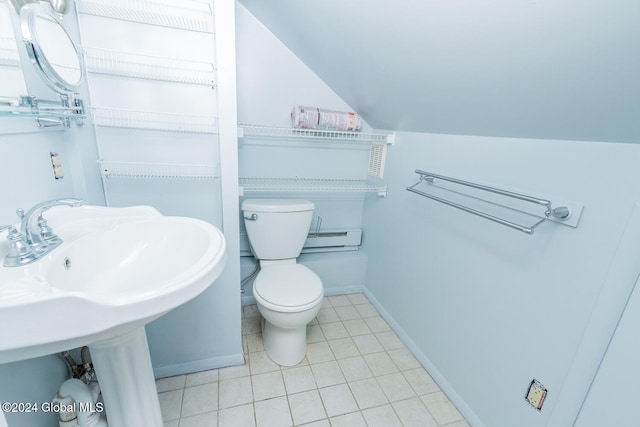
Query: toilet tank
(277, 228)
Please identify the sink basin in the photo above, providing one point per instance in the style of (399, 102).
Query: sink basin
(118, 269)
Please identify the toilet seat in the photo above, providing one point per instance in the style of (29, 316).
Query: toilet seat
(287, 288)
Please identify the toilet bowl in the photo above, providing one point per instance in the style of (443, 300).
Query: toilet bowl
(288, 294)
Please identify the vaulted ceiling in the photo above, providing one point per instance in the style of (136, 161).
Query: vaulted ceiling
(552, 69)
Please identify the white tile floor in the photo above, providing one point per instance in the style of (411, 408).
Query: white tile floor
(356, 373)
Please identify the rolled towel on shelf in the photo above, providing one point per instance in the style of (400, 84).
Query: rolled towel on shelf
(318, 118)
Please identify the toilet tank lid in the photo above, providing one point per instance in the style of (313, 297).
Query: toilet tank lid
(277, 205)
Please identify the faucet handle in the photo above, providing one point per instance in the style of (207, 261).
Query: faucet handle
(47, 233)
(11, 229)
(19, 251)
(20, 213)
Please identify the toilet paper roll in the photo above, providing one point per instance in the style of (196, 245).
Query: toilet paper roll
(314, 118)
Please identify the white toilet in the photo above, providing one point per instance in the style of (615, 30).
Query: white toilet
(288, 294)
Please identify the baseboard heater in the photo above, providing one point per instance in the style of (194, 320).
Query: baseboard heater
(326, 241)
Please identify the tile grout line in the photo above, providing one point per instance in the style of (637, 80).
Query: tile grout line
(386, 348)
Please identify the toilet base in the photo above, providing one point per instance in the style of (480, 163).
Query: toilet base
(284, 334)
(286, 347)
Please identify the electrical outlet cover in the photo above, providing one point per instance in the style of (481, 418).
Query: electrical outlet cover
(57, 166)
(536, 393)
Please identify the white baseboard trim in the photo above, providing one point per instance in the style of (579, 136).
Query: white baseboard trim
(462, 406)
(198, 365)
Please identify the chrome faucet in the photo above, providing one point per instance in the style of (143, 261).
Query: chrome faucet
(35, 238)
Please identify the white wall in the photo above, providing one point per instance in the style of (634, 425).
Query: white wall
(27, 178)
(189, 338)
(271, 80)
(488, 308)
(614, 394)
(205, 333)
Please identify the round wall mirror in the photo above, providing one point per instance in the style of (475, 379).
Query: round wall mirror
(50, 48)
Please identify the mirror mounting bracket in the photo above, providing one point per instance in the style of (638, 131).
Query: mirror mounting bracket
(47, 113)
(60, 6)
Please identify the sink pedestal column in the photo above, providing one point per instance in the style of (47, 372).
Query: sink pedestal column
(124, 371)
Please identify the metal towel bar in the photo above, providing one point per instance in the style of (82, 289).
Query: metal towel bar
(561, 213)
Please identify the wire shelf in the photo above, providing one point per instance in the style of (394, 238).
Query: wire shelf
(247, 130)
(186, 14)
(276, 185)
(111, 170)
(146, 120)
(126, 64)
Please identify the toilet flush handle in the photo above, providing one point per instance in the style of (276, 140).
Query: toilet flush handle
(253, 217)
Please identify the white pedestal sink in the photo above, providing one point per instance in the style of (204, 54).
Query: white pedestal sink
(126, 378)
(118, 269)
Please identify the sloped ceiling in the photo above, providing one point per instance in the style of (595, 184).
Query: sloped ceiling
(552, 69)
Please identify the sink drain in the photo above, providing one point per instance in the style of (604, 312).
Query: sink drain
(67, 263)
